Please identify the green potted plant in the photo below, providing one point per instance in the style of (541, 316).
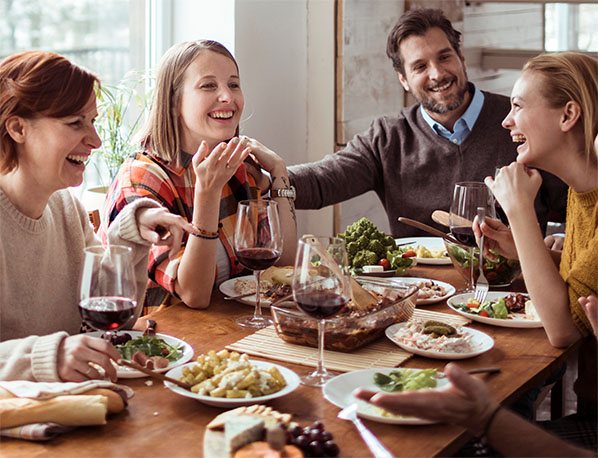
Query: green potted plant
(121, 111)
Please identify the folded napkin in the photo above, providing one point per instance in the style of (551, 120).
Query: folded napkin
(40, 411)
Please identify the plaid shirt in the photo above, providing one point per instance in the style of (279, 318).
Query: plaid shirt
(146, 175)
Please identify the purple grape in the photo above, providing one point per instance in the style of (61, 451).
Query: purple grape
(302, 441)
(330, 448)
(325, 436)
(318, 425)
(315, 435)
(315, 449)
(296, 430)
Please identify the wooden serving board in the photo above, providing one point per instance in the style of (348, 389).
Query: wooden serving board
(382, 353)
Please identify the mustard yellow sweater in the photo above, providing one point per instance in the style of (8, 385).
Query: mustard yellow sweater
(579, 261)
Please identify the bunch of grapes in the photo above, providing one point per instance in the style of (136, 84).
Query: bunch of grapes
(313, 440)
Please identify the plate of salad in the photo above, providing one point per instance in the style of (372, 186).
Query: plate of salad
(176, 351)
(495, 309)
(339, 390)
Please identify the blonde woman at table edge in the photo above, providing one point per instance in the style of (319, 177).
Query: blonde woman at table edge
(555, 115)
(193, 161)
(47, 111)
(467, 403)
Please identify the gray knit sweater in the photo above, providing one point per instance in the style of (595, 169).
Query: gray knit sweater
(413, 170)
(40, 264)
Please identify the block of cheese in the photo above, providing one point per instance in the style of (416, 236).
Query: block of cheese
(370, 269)
(242, 430)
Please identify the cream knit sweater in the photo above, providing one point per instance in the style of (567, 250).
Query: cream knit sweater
(40, 264)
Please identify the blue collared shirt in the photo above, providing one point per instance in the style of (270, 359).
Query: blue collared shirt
(464, 124)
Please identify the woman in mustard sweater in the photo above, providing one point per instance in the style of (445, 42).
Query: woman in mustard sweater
(554, 116)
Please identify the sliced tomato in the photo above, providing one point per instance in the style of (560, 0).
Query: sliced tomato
(472, 303)
(409, 254)
(484, 313)
(385, 263)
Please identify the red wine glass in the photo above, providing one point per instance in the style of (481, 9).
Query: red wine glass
(321, 289)
(108, 288)
(258, 245)
(468, 196)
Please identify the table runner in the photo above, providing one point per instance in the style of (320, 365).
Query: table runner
(382, 353)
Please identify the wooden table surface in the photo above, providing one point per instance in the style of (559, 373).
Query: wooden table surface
(160, 423)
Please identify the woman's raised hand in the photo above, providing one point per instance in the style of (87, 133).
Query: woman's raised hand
(160, 227)
(515, 187)
(76, 352)
(214, 169)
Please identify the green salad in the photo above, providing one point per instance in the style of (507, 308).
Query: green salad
(406, 379)
(367, 246)
(498, 271)
(151, 346)
(490, 309)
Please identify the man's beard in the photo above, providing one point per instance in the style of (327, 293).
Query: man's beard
(434, 106)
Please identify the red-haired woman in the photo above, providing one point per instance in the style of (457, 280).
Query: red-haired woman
(47, 111)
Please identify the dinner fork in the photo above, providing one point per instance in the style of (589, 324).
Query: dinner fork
(481, 287)
(373, 443)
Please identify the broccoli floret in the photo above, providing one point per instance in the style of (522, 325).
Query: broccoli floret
(352, 248)
(363, 242)
(377, 247)
(364, 258)
(389, 243)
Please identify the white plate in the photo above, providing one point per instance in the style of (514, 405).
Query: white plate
(481, 342)
(339, 389)
(228, 289)
(450, 289)
(433, 243)
(291, 378)
(514, 322)
(127, 372)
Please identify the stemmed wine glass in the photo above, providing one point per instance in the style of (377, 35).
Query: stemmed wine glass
(258, 245)
(108, 288)
(468, 196)
(321, 288)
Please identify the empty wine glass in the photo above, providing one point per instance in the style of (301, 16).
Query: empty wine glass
(108, 288)
(321, 288)
(468, 196)
(258, 245)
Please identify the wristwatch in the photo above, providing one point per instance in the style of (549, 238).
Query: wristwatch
(289, 193)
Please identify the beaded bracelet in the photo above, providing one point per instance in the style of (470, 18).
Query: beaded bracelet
(204, 234)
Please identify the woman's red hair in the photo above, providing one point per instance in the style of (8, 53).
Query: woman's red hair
(39, 84)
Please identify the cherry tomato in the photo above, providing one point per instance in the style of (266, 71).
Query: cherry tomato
(409, 254)
(484, 313)
(385, 263)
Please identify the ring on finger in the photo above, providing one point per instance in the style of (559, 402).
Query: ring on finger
(88, 371)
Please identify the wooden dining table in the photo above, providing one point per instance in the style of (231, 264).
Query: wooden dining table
(160, 423)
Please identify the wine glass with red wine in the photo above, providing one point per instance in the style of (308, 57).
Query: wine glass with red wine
(321, 288)
(108, 288)
(468, 196)
(258, 245)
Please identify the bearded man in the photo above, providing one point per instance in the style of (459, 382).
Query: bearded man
(413, 160)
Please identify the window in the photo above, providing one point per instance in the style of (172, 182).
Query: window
(94, 34)
(571, 27)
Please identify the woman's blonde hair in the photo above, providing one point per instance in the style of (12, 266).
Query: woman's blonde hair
(571, 76)
(162, 132)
